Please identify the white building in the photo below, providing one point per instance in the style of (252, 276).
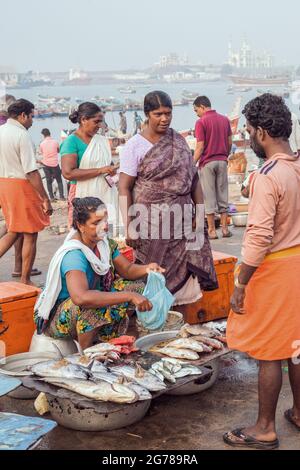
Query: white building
(245, 58)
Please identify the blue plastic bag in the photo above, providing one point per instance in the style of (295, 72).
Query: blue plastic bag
(161, 299)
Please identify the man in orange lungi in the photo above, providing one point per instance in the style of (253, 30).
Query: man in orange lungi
(265, 320)
(23, 199)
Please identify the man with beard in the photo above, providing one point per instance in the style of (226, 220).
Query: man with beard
(265, 321)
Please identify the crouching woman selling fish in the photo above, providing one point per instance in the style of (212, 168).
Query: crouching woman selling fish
(83, 297)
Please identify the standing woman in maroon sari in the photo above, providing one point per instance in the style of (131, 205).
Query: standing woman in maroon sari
(157, 169)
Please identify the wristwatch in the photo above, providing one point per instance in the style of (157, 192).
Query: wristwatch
(238, 285)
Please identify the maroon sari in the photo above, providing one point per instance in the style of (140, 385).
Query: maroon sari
(167, 175)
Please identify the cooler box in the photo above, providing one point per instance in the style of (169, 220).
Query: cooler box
(16, 317)
(215, 305)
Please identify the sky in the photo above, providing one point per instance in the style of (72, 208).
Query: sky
(55, 35)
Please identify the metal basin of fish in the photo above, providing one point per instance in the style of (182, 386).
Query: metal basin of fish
(193, 388)
(147, 342)
(67, 414)
(18, 365)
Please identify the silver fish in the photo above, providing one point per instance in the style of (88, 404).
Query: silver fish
(141, 377)
(101, 348)
(141, 392)
(157, 374)
(211, 342)
(177, 353)
(78, 359)
(61, 369)
(187, 371)
(101, 390)
(196, 330)
(159, 367)
(186, 343)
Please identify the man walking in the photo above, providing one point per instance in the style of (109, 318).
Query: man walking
(49, 149)
(123, 123)
(265, 320)
(23, 199)
(214, 142)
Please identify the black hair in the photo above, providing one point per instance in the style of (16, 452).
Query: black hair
(19, 107)
(202, 101)
(155, 100)
(271, 114)
(85, 110)
(46, 132)
(83, 207)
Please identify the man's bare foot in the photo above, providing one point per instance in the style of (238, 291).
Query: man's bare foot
(212, 235)
(265, 435)
(28, 282)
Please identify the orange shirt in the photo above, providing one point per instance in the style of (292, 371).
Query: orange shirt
(274, 209)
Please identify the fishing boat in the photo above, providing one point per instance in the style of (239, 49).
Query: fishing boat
(260, 80)
(190, 96)
(128, 90)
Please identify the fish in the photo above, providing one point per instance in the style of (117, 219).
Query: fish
(211, 342)
(141, 392)
(186, 343)
(196, 330)
(187, 371)
(77, 359)
(159, 367)
(177, 353)
(101, 349)
(141, 377)
(100, 390)
(61, 369)
(157, 374)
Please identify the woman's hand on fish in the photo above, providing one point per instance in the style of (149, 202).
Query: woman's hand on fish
(141, 302)
(154, 267)
(237, 301)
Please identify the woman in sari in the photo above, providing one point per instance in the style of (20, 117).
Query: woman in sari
(156, 168)
(86, 158)
(84, 298)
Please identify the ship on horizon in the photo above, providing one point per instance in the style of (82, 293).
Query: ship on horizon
(240, 80)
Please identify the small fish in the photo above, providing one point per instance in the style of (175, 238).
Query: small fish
(140, 376)
(186, 343)
(157, 374)
(196, 330)
(187, 371)
(61, 369)
(100, 391)
(211, 342)
(177, 353)
(77, 359)
(159, 367)
(141, 392)
(101, 348)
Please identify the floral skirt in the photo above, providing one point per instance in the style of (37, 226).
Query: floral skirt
(69, 320)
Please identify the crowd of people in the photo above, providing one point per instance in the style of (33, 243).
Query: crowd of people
(91, 287)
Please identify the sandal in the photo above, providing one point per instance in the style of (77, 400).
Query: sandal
(215, 237)
(290, 418)
(230, 438)
(34, 272)
(228, 234)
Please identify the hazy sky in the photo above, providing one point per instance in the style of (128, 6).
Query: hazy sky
(115, 34)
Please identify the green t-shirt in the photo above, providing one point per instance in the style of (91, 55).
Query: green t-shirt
(73, 145)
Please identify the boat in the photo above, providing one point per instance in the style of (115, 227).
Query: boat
(190, 96)
(43, 114)
(128, 90)
(182, 102)
(260, 80)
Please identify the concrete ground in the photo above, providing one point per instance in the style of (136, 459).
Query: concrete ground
(175, 423)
